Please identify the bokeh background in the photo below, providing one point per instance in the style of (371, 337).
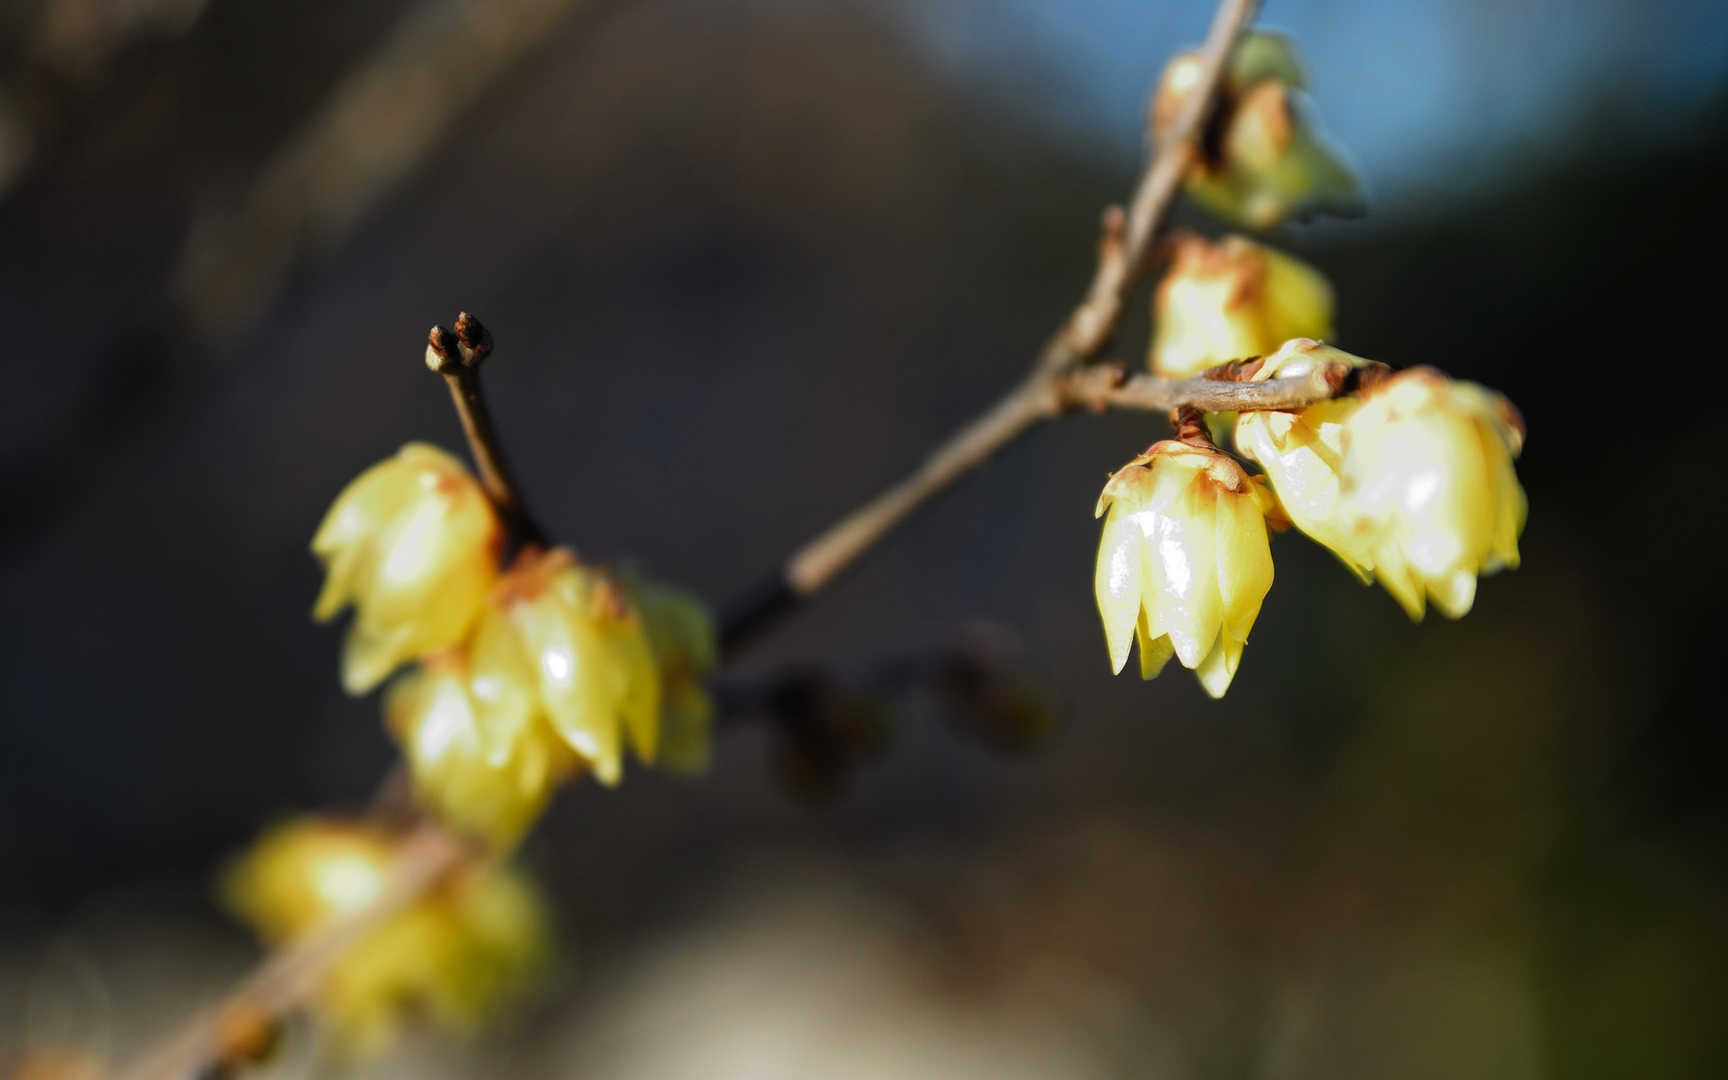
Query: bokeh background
(746, 261)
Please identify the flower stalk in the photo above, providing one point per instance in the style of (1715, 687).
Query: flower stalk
(457, 355)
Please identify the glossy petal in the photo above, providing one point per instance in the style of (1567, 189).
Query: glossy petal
(1184, 562)
(1117, 585)
(412, 543)
(1429, 489)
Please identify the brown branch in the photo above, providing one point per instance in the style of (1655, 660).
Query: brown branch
(1105, 387)
(1124, 253)
(289, 975)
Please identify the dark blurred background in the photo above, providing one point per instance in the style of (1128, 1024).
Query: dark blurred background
(746, 262)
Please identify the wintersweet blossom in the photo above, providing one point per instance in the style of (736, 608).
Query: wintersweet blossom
(1270, 161)
(1233, 300)
(1302, 451)
(1429, 489)
(1184, 561)
(566, 635)
(412, 543)
(452, 957)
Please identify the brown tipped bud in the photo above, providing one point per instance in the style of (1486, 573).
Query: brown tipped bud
(443, 352)
(473, 338)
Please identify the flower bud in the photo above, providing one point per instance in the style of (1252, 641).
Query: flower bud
(1270, 162)
(452, 957)
(413, 544)
(1233, 300)
(1428, 485)
(492, 788)
(1184, 561)
(686, 648)
(570, 632)
(1302, 451)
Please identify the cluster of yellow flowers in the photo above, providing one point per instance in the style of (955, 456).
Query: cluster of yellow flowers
(452, 957)
(526, 676)
(517, 680)
(1409, 480)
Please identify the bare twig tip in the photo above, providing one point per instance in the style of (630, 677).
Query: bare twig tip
(442, 354)
(473, 337)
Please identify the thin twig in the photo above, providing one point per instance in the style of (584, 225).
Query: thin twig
(292, 973)
(1124, 253)
(458, 356)
(1098, 388)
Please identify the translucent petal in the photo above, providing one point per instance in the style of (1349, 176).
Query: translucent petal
(1453, 593)
(1215, 670)
(1155, 652)
(1117, 585)
(503, 686)
(1182, 572)
(1244, 564)
(369, 656)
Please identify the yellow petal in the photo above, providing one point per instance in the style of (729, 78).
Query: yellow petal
(1181, 572)
(1215, 672)
(1155, 652)
(1244, 565)
(1117, 585)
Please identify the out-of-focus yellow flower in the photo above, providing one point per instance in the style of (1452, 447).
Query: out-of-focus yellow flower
(1302, 452)
(1271, 161)
(453, 957)
(413, 544)
(569, 632)
(1233, 300)
(1184, 561)
(1428, 484)
(305, 871)
(686, 649)
(493, 787)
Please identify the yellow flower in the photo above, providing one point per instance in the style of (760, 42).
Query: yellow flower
(413, 544)
(1428, 484)
(569, 632)
(1233, 300)
(686, 649)
(1302, 452)
(1184, 561)
(493, 787)
(452, 957)
(1270, 161)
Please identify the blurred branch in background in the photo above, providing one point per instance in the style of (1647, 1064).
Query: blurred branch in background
(380, 126)
(68, 51)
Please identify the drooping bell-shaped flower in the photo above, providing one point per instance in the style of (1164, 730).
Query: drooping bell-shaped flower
(452, 957)
(1233, 300)
(1429, 488)
(492, 787)
(413, 544)
(1269, 161)
(570, 632)
(1302, 451)
(1184, 561)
